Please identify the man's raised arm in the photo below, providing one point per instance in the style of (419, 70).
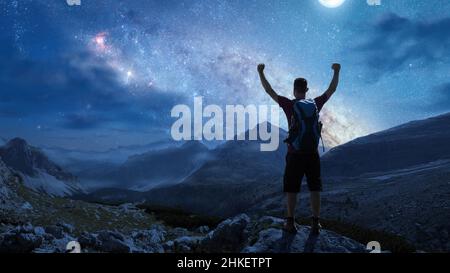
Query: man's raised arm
(334, 82)
(265, 83)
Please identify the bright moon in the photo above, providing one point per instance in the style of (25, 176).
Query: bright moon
(331, 3)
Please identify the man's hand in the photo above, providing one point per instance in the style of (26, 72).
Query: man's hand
(261, 68)
(336, 67)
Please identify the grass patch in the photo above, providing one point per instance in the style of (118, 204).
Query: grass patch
(84, 216)
(175, 217)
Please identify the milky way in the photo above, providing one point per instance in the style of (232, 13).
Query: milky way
(220, 70)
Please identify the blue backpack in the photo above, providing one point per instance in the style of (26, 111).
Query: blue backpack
(305, 128)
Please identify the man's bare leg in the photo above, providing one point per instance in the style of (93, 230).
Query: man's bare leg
(315, 203)
(289, 225)
(315, 208)
(291, 203)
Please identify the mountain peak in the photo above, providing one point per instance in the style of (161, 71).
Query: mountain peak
(20, 156)
(18, 143)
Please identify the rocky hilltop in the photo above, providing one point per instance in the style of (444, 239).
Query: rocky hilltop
(236, 234)
(33, 221)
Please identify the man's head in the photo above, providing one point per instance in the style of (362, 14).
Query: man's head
(300, 88)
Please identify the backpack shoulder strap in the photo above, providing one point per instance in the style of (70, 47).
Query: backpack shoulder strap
(313, 101)
(302, 112)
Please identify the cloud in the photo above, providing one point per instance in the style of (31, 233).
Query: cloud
(441, 97)
(81, 121)
(396, 41)
(80, 91)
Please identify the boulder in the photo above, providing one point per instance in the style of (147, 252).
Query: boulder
(186, 244)
(149, 240)
(275, 240)
(270, 221)
(179, 232)
(55, 231)
(112, 242)
(68, 228)
(168, 246)
(202, 230)
(89, 240)
(27, 228)
(39, 231)
(107, 234)
(230, 235)
(19, 242)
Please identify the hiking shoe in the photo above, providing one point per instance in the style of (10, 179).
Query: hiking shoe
(315, 225)
(289, 225)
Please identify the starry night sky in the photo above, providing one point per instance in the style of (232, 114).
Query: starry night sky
(107, 73)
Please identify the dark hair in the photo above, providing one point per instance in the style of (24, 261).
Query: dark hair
(300, 85)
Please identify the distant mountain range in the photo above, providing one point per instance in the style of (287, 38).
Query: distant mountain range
(414, 143)
(238, 176)
(80, 160)
(235, 176)
(154, 168)
(38, 171)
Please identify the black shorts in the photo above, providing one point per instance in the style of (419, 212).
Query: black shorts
(299, 165)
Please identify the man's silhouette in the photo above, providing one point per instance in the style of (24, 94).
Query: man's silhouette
(299, 163)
